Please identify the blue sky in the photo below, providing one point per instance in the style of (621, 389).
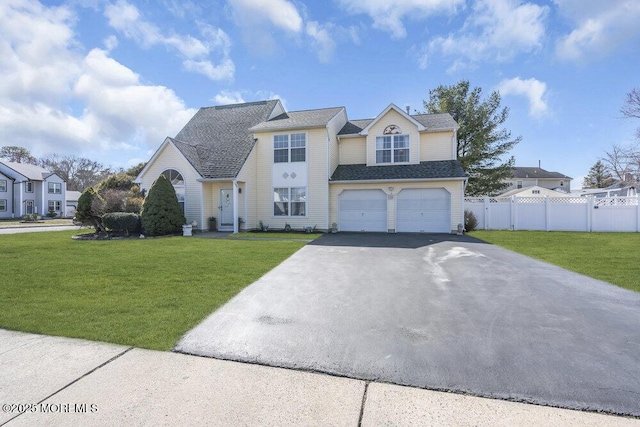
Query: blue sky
(108, 80)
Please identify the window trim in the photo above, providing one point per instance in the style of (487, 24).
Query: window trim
(55, 185)
(182, 194)
(393, 149)
(28, 187)
(5, 205)
(289, 149)
(54, 202)
(3, 187)
(289, 202)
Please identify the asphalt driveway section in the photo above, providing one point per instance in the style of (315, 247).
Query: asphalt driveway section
(439, 312)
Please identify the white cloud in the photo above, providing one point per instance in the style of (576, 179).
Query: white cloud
(228, 97)
(44, 73)
(279, 13)
(322, 40)
(532, 89)
(601, 28)
(387, 15)
(196, 53)
(495, 29)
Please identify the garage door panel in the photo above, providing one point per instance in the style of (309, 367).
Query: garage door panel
(426, 210)
(363, 210)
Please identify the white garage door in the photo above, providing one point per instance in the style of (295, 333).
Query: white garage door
(362, 210)
(423, 210)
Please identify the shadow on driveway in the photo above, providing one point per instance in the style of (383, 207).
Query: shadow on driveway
(439, 312)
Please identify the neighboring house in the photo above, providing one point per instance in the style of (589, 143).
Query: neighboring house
(30, 189)
(619, 189)
(72, 203)
(534, 191)
(254, 162)
(523, 177)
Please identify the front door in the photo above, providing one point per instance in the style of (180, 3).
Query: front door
(226, 209)
(28, 206)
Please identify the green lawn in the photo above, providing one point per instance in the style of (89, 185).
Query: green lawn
(611, 257)
(276, 235)
(140, 292)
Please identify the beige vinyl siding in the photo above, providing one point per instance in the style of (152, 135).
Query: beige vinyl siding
(333, 127)
(408, 128)
(455, 188)
(436, 146)
(247, 202)
(171, 158)
(353, 151)
(317, 181)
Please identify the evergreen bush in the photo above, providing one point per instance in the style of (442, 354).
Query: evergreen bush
(470, 221)
(161, 212)
(121, 221)
(90, 209)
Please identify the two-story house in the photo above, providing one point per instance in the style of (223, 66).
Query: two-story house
(525, 177)
(29, 189)
(255, 162)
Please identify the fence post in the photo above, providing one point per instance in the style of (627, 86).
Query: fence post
(486, 212)
(590, 208)
(637, 214)
(512, 210)
(547, 209)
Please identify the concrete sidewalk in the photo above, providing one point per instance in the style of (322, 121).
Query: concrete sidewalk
(63, 381)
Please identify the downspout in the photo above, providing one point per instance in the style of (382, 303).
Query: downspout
(328, 201)
(202, 223)
(235, 206)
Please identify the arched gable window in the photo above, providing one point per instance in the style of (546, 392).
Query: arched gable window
(176, 179)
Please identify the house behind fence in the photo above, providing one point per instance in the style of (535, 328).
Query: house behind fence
(556, 213)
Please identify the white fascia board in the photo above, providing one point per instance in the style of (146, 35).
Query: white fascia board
(399, 110)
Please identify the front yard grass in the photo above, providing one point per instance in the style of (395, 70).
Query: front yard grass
(611, 257)
(139, 292)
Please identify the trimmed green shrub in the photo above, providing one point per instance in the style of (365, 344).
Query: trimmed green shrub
(470, 221)
(121, 221)
(90, 209)
(161, 212)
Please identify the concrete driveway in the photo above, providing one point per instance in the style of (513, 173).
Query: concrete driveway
(438, 312)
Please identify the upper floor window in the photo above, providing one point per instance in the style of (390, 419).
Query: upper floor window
(55, 188)
(289, 148)
(3, 185)
(392, 149)
(176, 179)
(28, 187)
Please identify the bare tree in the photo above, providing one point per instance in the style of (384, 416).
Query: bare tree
(623, 162)
(17, 154)
(79, 172)
(631, 108)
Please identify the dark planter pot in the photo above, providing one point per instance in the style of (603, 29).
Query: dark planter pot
(212, 225)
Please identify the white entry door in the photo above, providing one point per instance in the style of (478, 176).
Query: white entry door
(362, 210)
(424, 210)
(226, 209)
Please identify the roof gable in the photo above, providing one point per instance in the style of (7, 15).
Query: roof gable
(217, 140)
(400, 111)
(167, 141)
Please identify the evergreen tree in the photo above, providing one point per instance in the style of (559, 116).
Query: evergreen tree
(598, 177)
(161, 212)
(482, 143)
(90, 209)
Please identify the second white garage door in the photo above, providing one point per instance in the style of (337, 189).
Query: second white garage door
(362, 210)
(423, 210)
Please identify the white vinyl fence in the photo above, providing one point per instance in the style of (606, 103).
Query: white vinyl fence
(556, 213)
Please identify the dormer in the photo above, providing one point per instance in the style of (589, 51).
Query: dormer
(393, 138)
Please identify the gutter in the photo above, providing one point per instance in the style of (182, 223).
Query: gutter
(378, 181)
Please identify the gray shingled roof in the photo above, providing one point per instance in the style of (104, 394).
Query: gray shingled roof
(424, 170)
(527, 172)
(430, 121)
(217, 140)
(299, 119)
(32, 172)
